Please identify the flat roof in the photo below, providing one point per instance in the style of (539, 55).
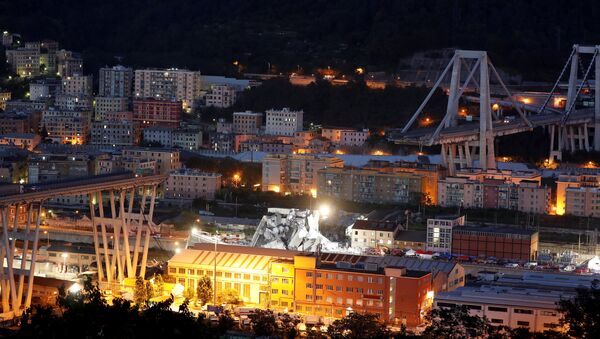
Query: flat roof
(504, 296)
(493, 229)
(375, 225)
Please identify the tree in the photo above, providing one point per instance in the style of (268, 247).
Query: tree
(581, 314)
(455, 322)
(140, 296)
(204, 290)
(159, 285)
(264, 323)
(189, 293)
(358, 325)
(228, 296)
(287, 326)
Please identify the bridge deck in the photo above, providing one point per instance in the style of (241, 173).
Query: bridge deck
(84, 185)
(470, 131)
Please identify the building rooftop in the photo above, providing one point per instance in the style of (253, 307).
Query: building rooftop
(413, 263)
(412, 236)
(496, 230)
(375, 225)
(194, 172)
(501, 295)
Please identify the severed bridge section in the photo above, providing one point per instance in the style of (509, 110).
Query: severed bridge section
(571, 128)
(120, 205)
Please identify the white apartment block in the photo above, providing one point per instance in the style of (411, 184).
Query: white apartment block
(104, 105)
(77, 85)
(439, 233)
(169, 84)
(454, 191)
(221, 96)
(159, 134)
(43, 89)
(247, 122)
(112, 133)
(189, 184)
(284, 122)
(373, 233)
(189, 139)
(115, 81)
(74, 102)
(67, 127)
(582, 201)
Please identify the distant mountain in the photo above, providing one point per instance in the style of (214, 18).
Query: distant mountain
(529, 37)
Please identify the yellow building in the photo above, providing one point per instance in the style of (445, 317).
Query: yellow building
(282, 285)
(244, 269)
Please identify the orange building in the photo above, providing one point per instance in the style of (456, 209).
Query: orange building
(335, 289)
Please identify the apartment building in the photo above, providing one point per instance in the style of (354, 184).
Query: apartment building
(4, 97)
(151, 112)
(181, 85)
(26, 141)
(373, 233)
(187, 138)
(68, 63)
(112, 133)
(24, 61)
(284, 121)
(525, 196)
(44, 89)
(104, 105)
(247, 122)
(294, 173)
(439, 233)
(77, 85)
(67, 127)
(370, 186)
(189, 184)
(115, 81)
(52, 167)
(578, 197)
(74, 102)
(353, 138)
(165, 160)
(582, 201)
(221, 96)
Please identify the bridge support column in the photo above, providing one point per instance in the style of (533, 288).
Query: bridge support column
(111, 241)
(15, 291)
(597, 104)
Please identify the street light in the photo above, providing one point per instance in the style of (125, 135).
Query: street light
(215, 271)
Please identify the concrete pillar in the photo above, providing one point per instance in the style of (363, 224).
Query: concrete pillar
(597, 103)
(453, 93)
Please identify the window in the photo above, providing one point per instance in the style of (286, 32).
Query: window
(227, 275)
(359, 278)
(548, 313)
(319, 286)
(182, 271)
(308, 285)
(339, 288)
(329, 299)
(350, 277)
(329, 276)
(319, 274)
(309, 297)
(339, 300)
(359, 290)
(309, 274)
(349, 301)
(274, 291)
(349, 289)
(522, 311)
(340, 277)
(319, 298)
(497, 309)
(329, 287)
(285, 281)
(522, 323)
(275, 280)
(496, 321)
(284, 292)
(172, 270)
(446, 305)
(473, 307)
(285, 270)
